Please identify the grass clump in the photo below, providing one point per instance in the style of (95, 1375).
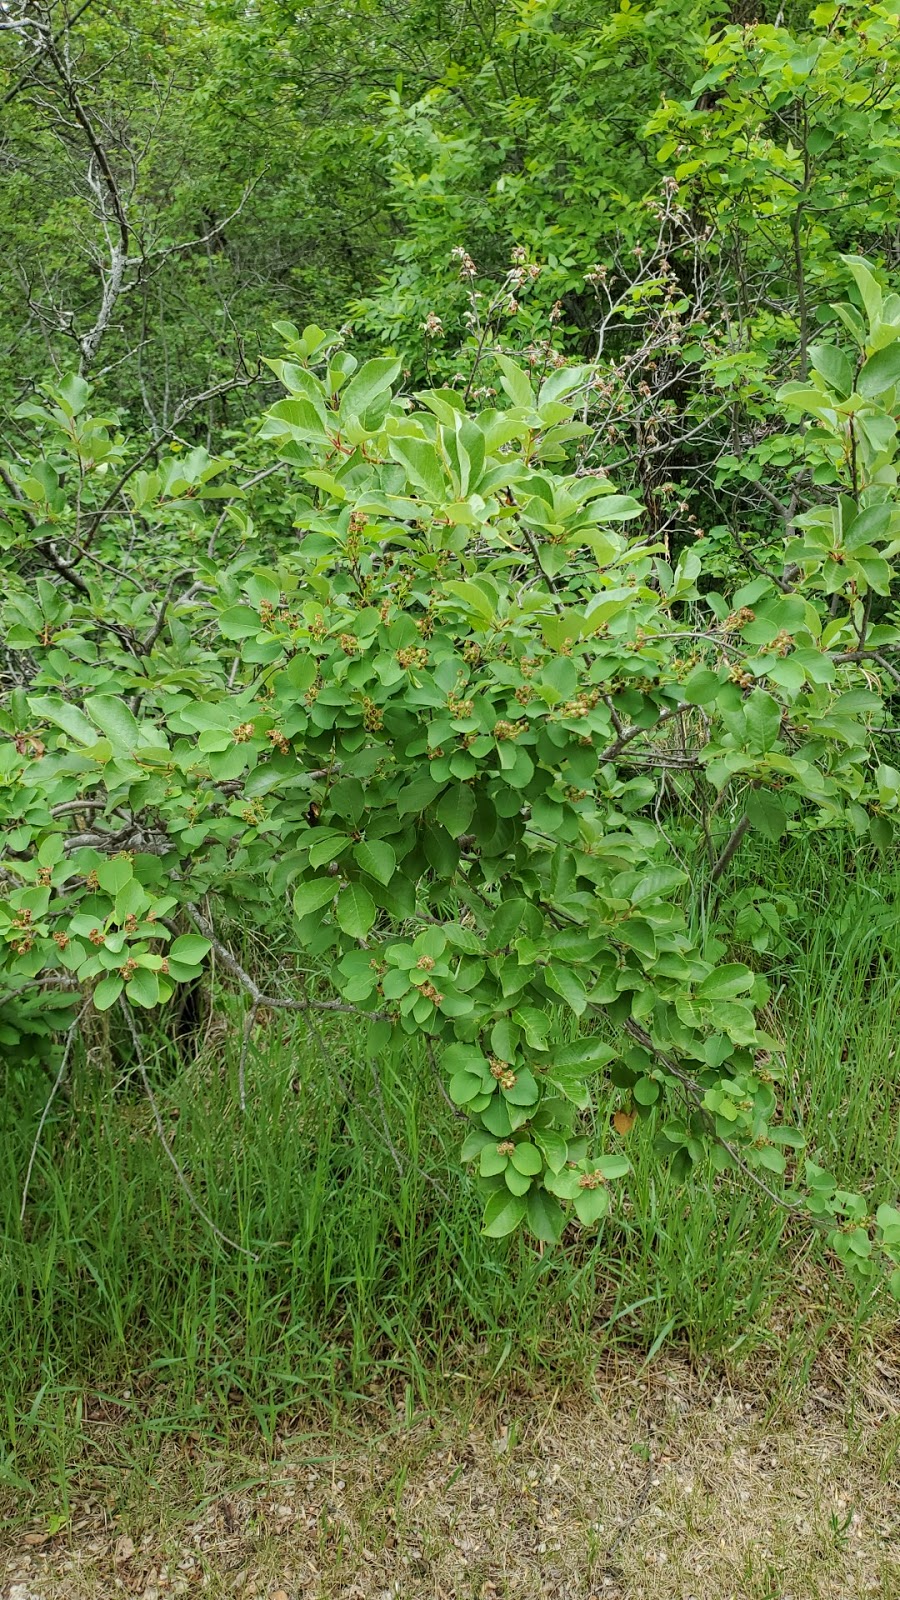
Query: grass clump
(371, 1275)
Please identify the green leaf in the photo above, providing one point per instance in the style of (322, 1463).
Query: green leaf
(723, 983)
(378, 1038)
(566, 983)
(834, 367)
(524, 1091)
(881, 372)
(492, 1162)
(570, 1082)
(615, 508)
(190, 949)
(882, 832)
(369, 384)
(416, 795)
(464, 939)
(113, 718)
(441, 851)
(239, 622)
(107, 992)
(555, 1148)
(888, 781)
(816, 665)
(591, 1205)
(463, 1087)
(819, 1180)
(546, 1218)
(517, 1182)
(51, 850)
(377, 858)
(763, 717)
(473, 1144)
(516, 383)
(766, 813)
(701, 686)
(143, 988)
(423, 467)
(356, 910)
(504, 923)
(611, 1167)
(114, 874)
(74, 392)
(504, 1038)
(564, 1183)
(474, 597)
(314, 894)
(527, 1158)
(131, 901)
(303, 417)
(502, 1214)
(329, 845)
(657, 884)
(348, 799)
(584, 1055)
(49, 708)
(455, 809)
(868, 286)
(646, 1091)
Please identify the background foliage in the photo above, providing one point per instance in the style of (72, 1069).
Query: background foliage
(449, 524)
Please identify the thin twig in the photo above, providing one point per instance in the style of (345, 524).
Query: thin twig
(245, 1046)
(241, 487)
(627, 734)
(758, 565)
(730, 849)
(160, 620)
(867, 652)
(460, 1115)
(694, 1092)
(273, 1002)
(25, 79)
(883, 662)
(547, 577)
(45, 546)
(182, 410)
(395, 1153)
(70, 1039)
(345, 1090)
(160, 1129)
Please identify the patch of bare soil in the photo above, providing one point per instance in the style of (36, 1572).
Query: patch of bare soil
(661, 1485)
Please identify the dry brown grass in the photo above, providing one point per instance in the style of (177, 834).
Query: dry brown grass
(660, 1484)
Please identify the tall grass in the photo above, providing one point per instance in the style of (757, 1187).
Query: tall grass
(370, 1270)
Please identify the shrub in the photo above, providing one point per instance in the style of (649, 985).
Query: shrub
(438, 725)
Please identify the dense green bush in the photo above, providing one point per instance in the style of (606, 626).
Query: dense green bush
(451, 671)
(441, 722)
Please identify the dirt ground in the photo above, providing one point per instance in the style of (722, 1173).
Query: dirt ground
(660, 1484)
